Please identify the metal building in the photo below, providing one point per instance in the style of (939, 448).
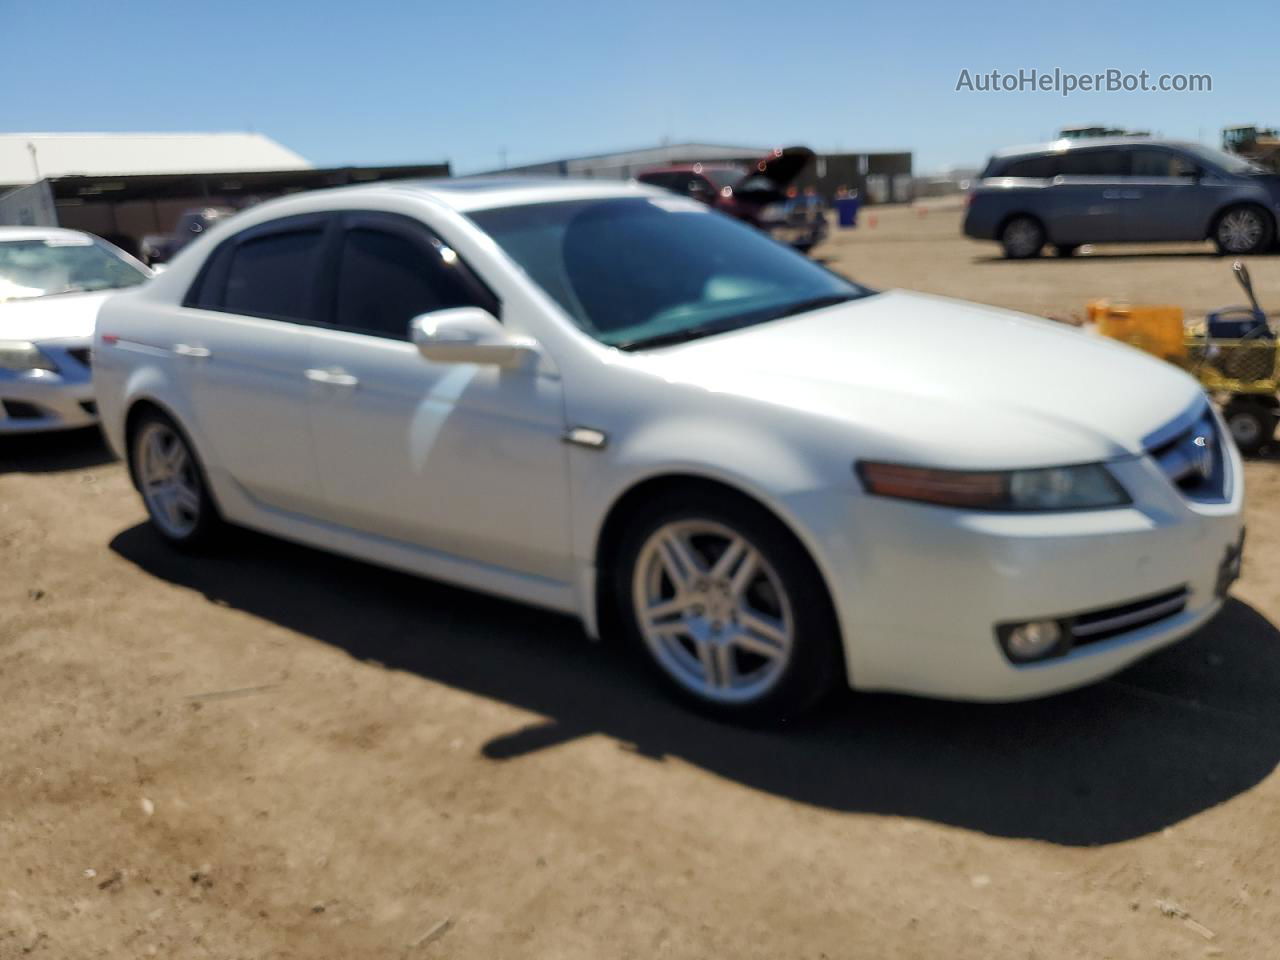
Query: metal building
(124, 186)
(880, 177)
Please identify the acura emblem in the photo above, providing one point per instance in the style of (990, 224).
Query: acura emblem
(1203, 456)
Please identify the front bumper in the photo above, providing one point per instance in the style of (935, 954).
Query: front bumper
(920, 589)
(39, 400)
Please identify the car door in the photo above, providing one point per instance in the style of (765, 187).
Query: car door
(1167, 198)
(245, 347)
(1086, 202)
(461, 458)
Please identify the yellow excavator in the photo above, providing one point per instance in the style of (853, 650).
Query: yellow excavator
(1259, 144)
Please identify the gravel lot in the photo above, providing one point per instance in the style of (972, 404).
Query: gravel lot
(270, 752)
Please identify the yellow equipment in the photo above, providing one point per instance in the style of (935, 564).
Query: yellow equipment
(1241, 371)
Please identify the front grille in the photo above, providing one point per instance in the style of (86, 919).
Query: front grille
(18, 410)
(1103, 624)
(82, 355)
(1192, 457)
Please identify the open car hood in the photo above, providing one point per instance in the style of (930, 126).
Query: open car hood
(777, 169)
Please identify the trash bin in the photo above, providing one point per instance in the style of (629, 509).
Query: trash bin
(847, 211)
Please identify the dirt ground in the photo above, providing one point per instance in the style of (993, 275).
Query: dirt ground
(270, 752)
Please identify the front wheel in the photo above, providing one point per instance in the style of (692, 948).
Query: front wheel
(728, 608)
(1243, 230)
(171, 482)
(1252, 425)
(1022, 238)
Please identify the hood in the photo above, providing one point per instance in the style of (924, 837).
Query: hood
(64, 316)
(941, 382)
(778, 169)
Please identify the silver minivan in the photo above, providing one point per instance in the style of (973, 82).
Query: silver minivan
(1122, 190)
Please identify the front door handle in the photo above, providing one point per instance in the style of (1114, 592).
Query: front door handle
(335, 376)
(195, 353)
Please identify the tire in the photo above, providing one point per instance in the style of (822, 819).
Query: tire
(1022, 238)
(172, 482)
(1243, 230)
(750, 635)
(1066, 249)
(1252, 425)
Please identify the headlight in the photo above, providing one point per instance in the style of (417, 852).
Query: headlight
(1083, 487)
(23, 355)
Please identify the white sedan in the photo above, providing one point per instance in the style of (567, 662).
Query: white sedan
(608, 401)
(52, 283)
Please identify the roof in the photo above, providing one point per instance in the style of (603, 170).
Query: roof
(465, 194)
(11, 234)
(122, 154)
(1067, 143)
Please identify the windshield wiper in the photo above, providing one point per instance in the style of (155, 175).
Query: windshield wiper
(676, 336)
(814, 303)
(736, 323)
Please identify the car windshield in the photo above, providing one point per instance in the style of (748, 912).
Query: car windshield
(637, 272)
(1226, 161)
(44, 267)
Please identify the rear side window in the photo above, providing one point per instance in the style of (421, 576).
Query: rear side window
(1161, 163)
(274, 276)
(1093, 163)
(1042, 168)
(386, 279)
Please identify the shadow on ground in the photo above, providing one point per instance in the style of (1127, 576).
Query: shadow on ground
(1185, 730)
(1116, 257)
(53, 452)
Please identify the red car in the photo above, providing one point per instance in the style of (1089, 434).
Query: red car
(757, 195)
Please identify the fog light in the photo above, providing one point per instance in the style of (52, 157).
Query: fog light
(1031, 641)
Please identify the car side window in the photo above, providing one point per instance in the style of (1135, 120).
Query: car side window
(1093, 163)
(274, 276)
(1041, 168)
(386, 278)
(1161, 163)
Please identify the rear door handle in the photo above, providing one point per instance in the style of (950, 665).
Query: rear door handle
(336, 377)
(195, 353)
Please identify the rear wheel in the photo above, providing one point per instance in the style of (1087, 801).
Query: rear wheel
(1242, 230)
(171, 482)
(1022, 238)
(728, 608)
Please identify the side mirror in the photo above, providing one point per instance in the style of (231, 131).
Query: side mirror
(469, 335)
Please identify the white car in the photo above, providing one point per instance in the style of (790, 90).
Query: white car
(52, 283)
(605, 400)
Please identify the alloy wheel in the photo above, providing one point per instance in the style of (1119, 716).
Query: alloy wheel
(169, 481)
(1240, 231)
(712, 611)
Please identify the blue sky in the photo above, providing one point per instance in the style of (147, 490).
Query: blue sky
(380, 82)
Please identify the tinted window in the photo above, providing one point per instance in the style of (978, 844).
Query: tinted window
(1161, 163)
(273, 276)
(632, 270)
(386, 279)
(1045, 168)
(1093, 163)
